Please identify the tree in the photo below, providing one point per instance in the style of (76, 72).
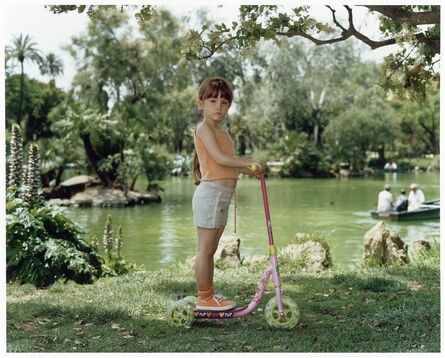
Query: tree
(420, 125)
(123, 90)
(23, 50)
(415, 28)
(369, 125)
(36, 104)
(52, 66)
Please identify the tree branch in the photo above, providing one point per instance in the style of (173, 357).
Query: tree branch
(399, 15)
(352, 31)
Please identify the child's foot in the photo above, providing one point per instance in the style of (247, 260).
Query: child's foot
(214, 303)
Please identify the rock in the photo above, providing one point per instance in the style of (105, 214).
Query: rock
(419, 246)
(310, 254)
(227, 254)
(77, 180)
(69, 187)
(383, 245)
(100, 196)
(254, 260)
(143, 197)
(60, 202)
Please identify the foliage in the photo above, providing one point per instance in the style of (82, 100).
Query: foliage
(32, 179)
(22, 50)
(157, 164)
(414, 28)
(43, 245)
(38, 101)
(114, 264)
(16, 158)
(52, 66)
(300, 157)
(420, 125)
(371, 125)
(127, 86)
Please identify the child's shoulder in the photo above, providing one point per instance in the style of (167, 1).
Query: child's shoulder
(203, 129)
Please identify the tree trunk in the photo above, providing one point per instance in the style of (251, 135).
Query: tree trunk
(133, 182)
(93, 159)
(22, 82)
(381, 151)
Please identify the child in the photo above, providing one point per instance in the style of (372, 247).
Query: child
(215, 171)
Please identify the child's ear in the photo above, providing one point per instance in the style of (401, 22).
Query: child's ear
(200, 104)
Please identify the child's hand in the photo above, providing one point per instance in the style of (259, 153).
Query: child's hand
(256, 168)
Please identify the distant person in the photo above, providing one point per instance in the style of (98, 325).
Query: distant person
(385, 200)
(401, 203)
(415, 198)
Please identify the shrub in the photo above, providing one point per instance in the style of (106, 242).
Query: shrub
(114, 263)
(43, 245)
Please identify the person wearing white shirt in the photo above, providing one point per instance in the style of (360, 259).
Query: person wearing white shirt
(415, 197)
(385, 200)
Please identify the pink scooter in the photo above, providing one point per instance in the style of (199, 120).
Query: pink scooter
(281, 311)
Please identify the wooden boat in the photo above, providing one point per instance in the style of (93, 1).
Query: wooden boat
(428, 210)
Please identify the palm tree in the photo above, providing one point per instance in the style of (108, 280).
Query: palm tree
(23, 49)
(52, 66)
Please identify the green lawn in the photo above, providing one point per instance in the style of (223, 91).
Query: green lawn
(393, 309)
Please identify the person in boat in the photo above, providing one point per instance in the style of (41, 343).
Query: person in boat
(385, 204)
(415, 197)
(401, 203)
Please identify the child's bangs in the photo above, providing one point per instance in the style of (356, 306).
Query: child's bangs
(215, 87)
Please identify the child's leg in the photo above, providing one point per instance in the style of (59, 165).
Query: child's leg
(207, 245)
(219, 234)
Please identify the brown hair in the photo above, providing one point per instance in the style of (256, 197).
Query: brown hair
(211, 87)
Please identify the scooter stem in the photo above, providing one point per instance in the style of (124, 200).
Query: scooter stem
(266, 208)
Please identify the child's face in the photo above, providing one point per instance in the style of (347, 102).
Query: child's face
(215, 108)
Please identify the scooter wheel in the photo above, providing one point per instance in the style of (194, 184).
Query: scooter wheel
(180, 314)
(191, 300)
(291, 313)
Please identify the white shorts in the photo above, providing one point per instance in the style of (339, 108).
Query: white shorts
(211, 204)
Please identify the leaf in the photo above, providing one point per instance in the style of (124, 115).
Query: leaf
(115, 326)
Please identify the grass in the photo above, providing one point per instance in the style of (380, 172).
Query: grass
(384, 309)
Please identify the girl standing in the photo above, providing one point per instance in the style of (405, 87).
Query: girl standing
(215, 171)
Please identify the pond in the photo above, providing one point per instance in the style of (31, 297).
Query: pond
(156, 235)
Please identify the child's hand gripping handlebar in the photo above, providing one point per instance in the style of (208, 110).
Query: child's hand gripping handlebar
(256, 169)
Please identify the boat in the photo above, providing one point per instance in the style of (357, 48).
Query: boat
(428, 210)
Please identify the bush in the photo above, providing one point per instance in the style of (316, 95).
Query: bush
(43, 245)
(114, 263)
(300, 156)
(157, 163)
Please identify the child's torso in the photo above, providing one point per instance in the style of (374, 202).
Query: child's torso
(212, 171)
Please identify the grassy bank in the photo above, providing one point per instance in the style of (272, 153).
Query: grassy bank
(393, 309)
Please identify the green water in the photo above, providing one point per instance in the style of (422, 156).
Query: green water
(156, 235)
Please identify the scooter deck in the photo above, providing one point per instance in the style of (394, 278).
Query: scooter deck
(217, 314)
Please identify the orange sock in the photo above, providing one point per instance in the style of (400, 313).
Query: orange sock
(205, 291)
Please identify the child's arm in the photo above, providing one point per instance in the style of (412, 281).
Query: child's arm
(208, 138)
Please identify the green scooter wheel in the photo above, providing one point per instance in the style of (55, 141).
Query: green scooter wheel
(191, 300)
(291, 313)
(180, 314)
